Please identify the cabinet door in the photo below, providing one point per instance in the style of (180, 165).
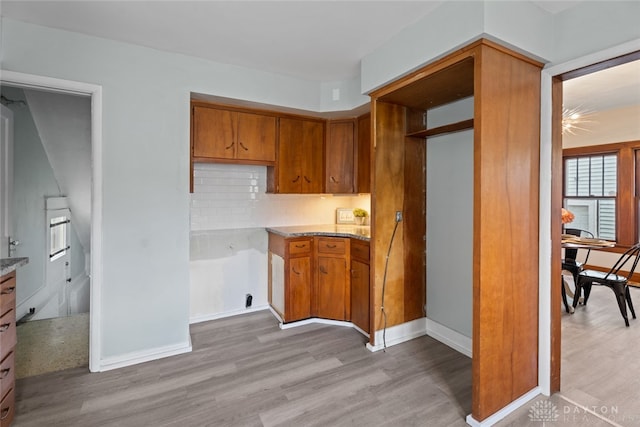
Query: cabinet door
(360, 294)
(339, 158)
(330, 297)
(313, 161)
(363, 157)
(256, 137)
(298, 304)
(214, 133)
(290, 154)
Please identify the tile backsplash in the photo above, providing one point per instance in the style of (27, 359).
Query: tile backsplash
(233, 196)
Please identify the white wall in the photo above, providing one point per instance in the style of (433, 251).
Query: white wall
(450, 220)
(587, 26)
(64, 124)
(145, 292)
(229, 212)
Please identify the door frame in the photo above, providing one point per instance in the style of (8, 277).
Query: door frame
(549, 336)
(31, 81)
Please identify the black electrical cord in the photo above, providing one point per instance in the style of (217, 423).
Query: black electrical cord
(384, 285)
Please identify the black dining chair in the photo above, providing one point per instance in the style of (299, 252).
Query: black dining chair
(570, 263)
(618, 283)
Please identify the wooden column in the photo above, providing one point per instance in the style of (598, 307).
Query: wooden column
(506, 192)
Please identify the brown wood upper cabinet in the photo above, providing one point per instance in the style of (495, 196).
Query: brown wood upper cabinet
(339, 157)
(300, 160)
(230, 136)
(363, 155)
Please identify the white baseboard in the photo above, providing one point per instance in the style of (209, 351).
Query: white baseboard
(136, 357)
(207, 317)
(315, 320)
(447, 336)
(399, 333)
(502, 413)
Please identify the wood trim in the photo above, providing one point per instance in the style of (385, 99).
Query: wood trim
(440, 130)
(260, 111)
(602, 65)
(231, 161)
(556, 230)
(614, 147)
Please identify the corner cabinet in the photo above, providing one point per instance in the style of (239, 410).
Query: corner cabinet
(8, 341)
(332, 293)
(226, 135)
(311, 277)
(300, 157)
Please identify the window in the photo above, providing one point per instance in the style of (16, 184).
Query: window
(602, 188)
(58, 237)
(590, 193)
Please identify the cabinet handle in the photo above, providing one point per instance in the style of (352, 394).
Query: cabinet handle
(5, 413)
(297, 178)
(229, 147)
(323, 270)
(4, 373)
(294, 270)
(301, 246)
(8, 290)
(330, 246)
(4, 327)
(307, 179)
(243, 147)
(335, 180)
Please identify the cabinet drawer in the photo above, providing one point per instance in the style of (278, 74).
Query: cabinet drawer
(7, 332)
(360, 250)
(7, 408)
(7, 374)
(299, 247)
(7, 294)
(331, 246)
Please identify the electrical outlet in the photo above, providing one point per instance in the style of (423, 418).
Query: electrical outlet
(398, 216)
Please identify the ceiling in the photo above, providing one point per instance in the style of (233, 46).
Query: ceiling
(318, 41)
(615, 87)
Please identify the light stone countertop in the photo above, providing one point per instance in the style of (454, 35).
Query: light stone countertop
(362, 232)
(7, 265)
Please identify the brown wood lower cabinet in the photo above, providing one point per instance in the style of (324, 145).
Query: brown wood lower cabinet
(333, 286)
(360, 278)
(312, 277)
(7, 346)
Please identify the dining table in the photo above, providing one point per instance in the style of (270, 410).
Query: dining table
(569, 241)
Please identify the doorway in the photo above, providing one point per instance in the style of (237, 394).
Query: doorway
(555, 79)
(94, 259)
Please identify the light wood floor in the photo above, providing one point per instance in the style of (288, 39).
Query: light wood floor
(244, 371)
(600, 377)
